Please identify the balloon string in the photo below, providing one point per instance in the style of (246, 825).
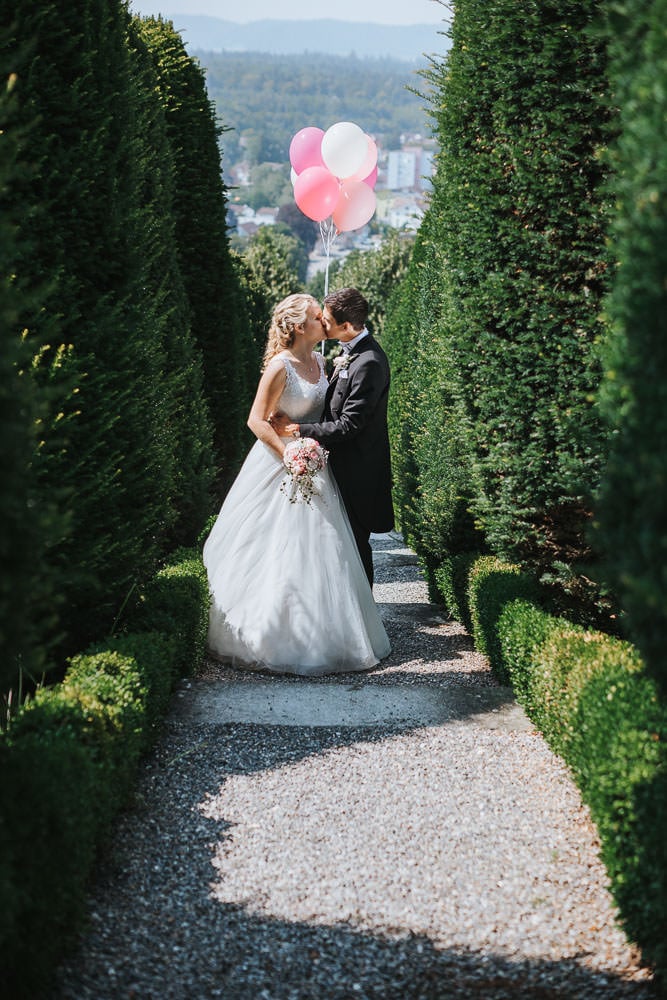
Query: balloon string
(329, 233)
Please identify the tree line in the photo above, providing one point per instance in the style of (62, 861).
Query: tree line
(265, 99)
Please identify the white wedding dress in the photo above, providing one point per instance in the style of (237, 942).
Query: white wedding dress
(289, 592)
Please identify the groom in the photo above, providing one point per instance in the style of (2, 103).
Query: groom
(353, 427)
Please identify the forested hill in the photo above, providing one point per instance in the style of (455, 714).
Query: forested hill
(326, 35)
(265, 99)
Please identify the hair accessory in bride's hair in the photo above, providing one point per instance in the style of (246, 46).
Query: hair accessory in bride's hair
(303, 459)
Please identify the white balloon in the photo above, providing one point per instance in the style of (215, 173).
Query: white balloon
(293, 176)
(344, 148)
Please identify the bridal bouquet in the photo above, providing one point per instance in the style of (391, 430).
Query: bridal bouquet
(303, 459)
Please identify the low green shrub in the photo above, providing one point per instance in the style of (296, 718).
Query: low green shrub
(206, 530)
(110, 689)
(49, 820)
(155, 655)
(176, 602)
(68, 762)
(589, 694)
(451, 578)
(491, 585)
(522, 627)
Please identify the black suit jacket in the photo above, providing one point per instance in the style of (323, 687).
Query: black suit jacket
(354, 431)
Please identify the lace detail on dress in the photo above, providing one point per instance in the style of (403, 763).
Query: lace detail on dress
(303, 401)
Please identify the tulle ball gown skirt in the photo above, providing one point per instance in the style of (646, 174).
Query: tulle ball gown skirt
(288, 590)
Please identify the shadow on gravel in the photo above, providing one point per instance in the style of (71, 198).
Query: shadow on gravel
(156, 931)
(359, 706)
(291, 961)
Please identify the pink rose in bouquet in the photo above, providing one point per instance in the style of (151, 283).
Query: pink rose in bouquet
(303, 459)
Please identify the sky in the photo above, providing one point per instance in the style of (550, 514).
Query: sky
(372, 11)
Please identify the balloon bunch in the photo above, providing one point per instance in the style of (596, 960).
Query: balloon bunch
(334, 174)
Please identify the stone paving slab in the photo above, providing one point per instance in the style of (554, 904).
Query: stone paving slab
(280, 702)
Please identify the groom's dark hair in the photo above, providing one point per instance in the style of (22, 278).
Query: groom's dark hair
(347, 305)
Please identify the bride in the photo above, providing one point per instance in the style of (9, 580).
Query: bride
(289, 591)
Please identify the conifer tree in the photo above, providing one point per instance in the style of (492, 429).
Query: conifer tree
(219, 323)
(518, 270)
(631, 507)
(105, 455)
(28, 523)
(165, 305)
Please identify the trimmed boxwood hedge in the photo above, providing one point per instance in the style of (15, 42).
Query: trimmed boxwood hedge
(451, 578)
(68, 763)
(591, 697)
(593, 701)
(491, 585)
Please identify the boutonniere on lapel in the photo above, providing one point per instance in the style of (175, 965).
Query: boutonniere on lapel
(341, 362)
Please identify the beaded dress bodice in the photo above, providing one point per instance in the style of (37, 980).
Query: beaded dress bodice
(301, 400)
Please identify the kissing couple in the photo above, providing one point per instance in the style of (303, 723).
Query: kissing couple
(289, 560)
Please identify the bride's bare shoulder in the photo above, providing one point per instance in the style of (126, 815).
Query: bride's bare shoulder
(275, 368)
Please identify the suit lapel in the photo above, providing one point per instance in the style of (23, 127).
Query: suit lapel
(365, 341)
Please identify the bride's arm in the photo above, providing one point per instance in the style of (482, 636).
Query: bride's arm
(268, 393)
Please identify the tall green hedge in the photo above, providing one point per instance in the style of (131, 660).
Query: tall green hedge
(429, 429)
(165, 303)
(108, 425)
(632, 513)
(514, 267)
(28, 523)
(218, 308)
(103, 453)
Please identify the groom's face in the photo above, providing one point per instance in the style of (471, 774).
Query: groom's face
(337, 331)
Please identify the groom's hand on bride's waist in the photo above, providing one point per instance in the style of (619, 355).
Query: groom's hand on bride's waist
(283, 426)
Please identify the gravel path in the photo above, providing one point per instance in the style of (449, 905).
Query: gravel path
(396, 858)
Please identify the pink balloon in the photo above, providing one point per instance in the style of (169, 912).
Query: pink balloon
(372, 177)
(355, 206)
(305, 149)
(369, 163)
(316, 192)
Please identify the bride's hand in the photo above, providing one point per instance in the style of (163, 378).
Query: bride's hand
(283, 426)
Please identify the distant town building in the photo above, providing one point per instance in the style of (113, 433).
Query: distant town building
(266, 216)
(401, 211)
(426, 169)
(409, 169)
(246, 221)
(401, 170)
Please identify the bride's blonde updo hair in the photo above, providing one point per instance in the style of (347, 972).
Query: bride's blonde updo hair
(287, 315)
